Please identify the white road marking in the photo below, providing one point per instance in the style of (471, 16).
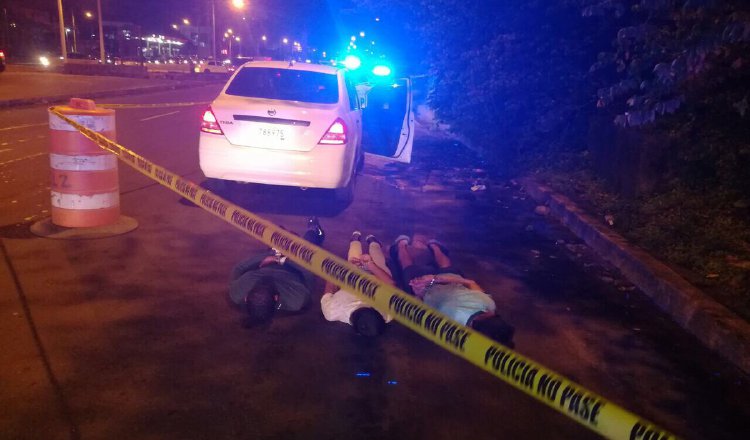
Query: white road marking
(159, 116)
(4, 144)
(20, 141)
(22, 158)
(23, 126)
(6, 149)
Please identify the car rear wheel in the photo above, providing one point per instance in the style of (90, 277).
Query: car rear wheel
(345, 195)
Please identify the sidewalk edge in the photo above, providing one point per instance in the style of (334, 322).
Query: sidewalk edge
(717, 327)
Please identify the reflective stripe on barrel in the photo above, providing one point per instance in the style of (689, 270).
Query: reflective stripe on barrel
(84, 183)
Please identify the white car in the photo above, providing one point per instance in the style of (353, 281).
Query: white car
(300, 125)
(216, 67)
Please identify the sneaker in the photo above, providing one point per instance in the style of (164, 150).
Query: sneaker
(440, 245)
(313, 224)
(356, 235)
(371, 238)
(400, 238)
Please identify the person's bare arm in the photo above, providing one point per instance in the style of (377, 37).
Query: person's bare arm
(380, 273)
(330, 288)
(450, 278)
(366, 262)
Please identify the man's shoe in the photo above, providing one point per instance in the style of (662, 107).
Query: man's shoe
(313, 224)
(371, 238)
(356, 235)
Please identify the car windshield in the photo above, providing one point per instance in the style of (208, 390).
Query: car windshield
(285, 85)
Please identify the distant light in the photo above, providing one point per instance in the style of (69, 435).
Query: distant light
(324, 54)
(377, 18)
(174, 26)
(229, 31)
(185, 21)
(239, 4)
(226, 35)
(372, 42)
(352, 62)
(285, 41)
(67, 29)
(236, 38)
(44, 61)
(308, 61)
(353, 38)
(88, 14)
(381, 70)
(362, 34)
(264, 38)
(362, 374)
(392, 382)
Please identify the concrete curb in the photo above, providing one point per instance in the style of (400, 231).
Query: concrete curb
(713, 324)
(24, 102)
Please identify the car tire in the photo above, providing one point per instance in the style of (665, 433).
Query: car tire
(345, 195)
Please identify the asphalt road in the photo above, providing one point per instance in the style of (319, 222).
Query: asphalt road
(19, 84)
(131, 336)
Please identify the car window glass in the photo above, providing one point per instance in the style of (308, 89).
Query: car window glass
(285, 85)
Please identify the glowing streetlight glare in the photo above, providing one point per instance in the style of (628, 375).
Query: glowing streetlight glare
(239, 4)
(264, 38)
(362, 34)
(185, 21)
(229, 31)
(226, 35)
(88, 14)
(236, 38)
(174, 26)
(285, 41)
(353, 38)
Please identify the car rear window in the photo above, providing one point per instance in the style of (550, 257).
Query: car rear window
(285, 85)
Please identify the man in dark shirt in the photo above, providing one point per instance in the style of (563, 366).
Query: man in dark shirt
(267, 282)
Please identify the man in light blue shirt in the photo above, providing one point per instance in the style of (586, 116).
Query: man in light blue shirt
(441, 286)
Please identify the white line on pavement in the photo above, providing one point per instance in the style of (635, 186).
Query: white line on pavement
(159, 116)
(6, 149)
(23, 126)
(22, 158)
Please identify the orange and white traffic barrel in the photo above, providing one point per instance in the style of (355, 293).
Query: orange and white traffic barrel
(85, 188)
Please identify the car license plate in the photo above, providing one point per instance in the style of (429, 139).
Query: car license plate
(273, 133)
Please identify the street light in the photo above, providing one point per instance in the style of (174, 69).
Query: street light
(186, 22)
(229, 31)
(285, 41)
(238, 4)
(174, 26)
(264, 38)
(88, 14)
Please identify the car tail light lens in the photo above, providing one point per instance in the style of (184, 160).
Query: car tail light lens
(336, 134)
(209, 124)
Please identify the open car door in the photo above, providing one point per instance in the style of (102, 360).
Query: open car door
(388, 119)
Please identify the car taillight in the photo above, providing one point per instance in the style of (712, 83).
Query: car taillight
(336, 134)
(2, 54)
(209, 123)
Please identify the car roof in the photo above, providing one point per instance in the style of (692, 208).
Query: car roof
(296, 66)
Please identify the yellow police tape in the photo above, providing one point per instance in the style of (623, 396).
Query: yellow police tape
(159, 105)
(556, 391)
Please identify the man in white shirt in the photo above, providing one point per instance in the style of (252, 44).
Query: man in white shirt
(339, 305)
